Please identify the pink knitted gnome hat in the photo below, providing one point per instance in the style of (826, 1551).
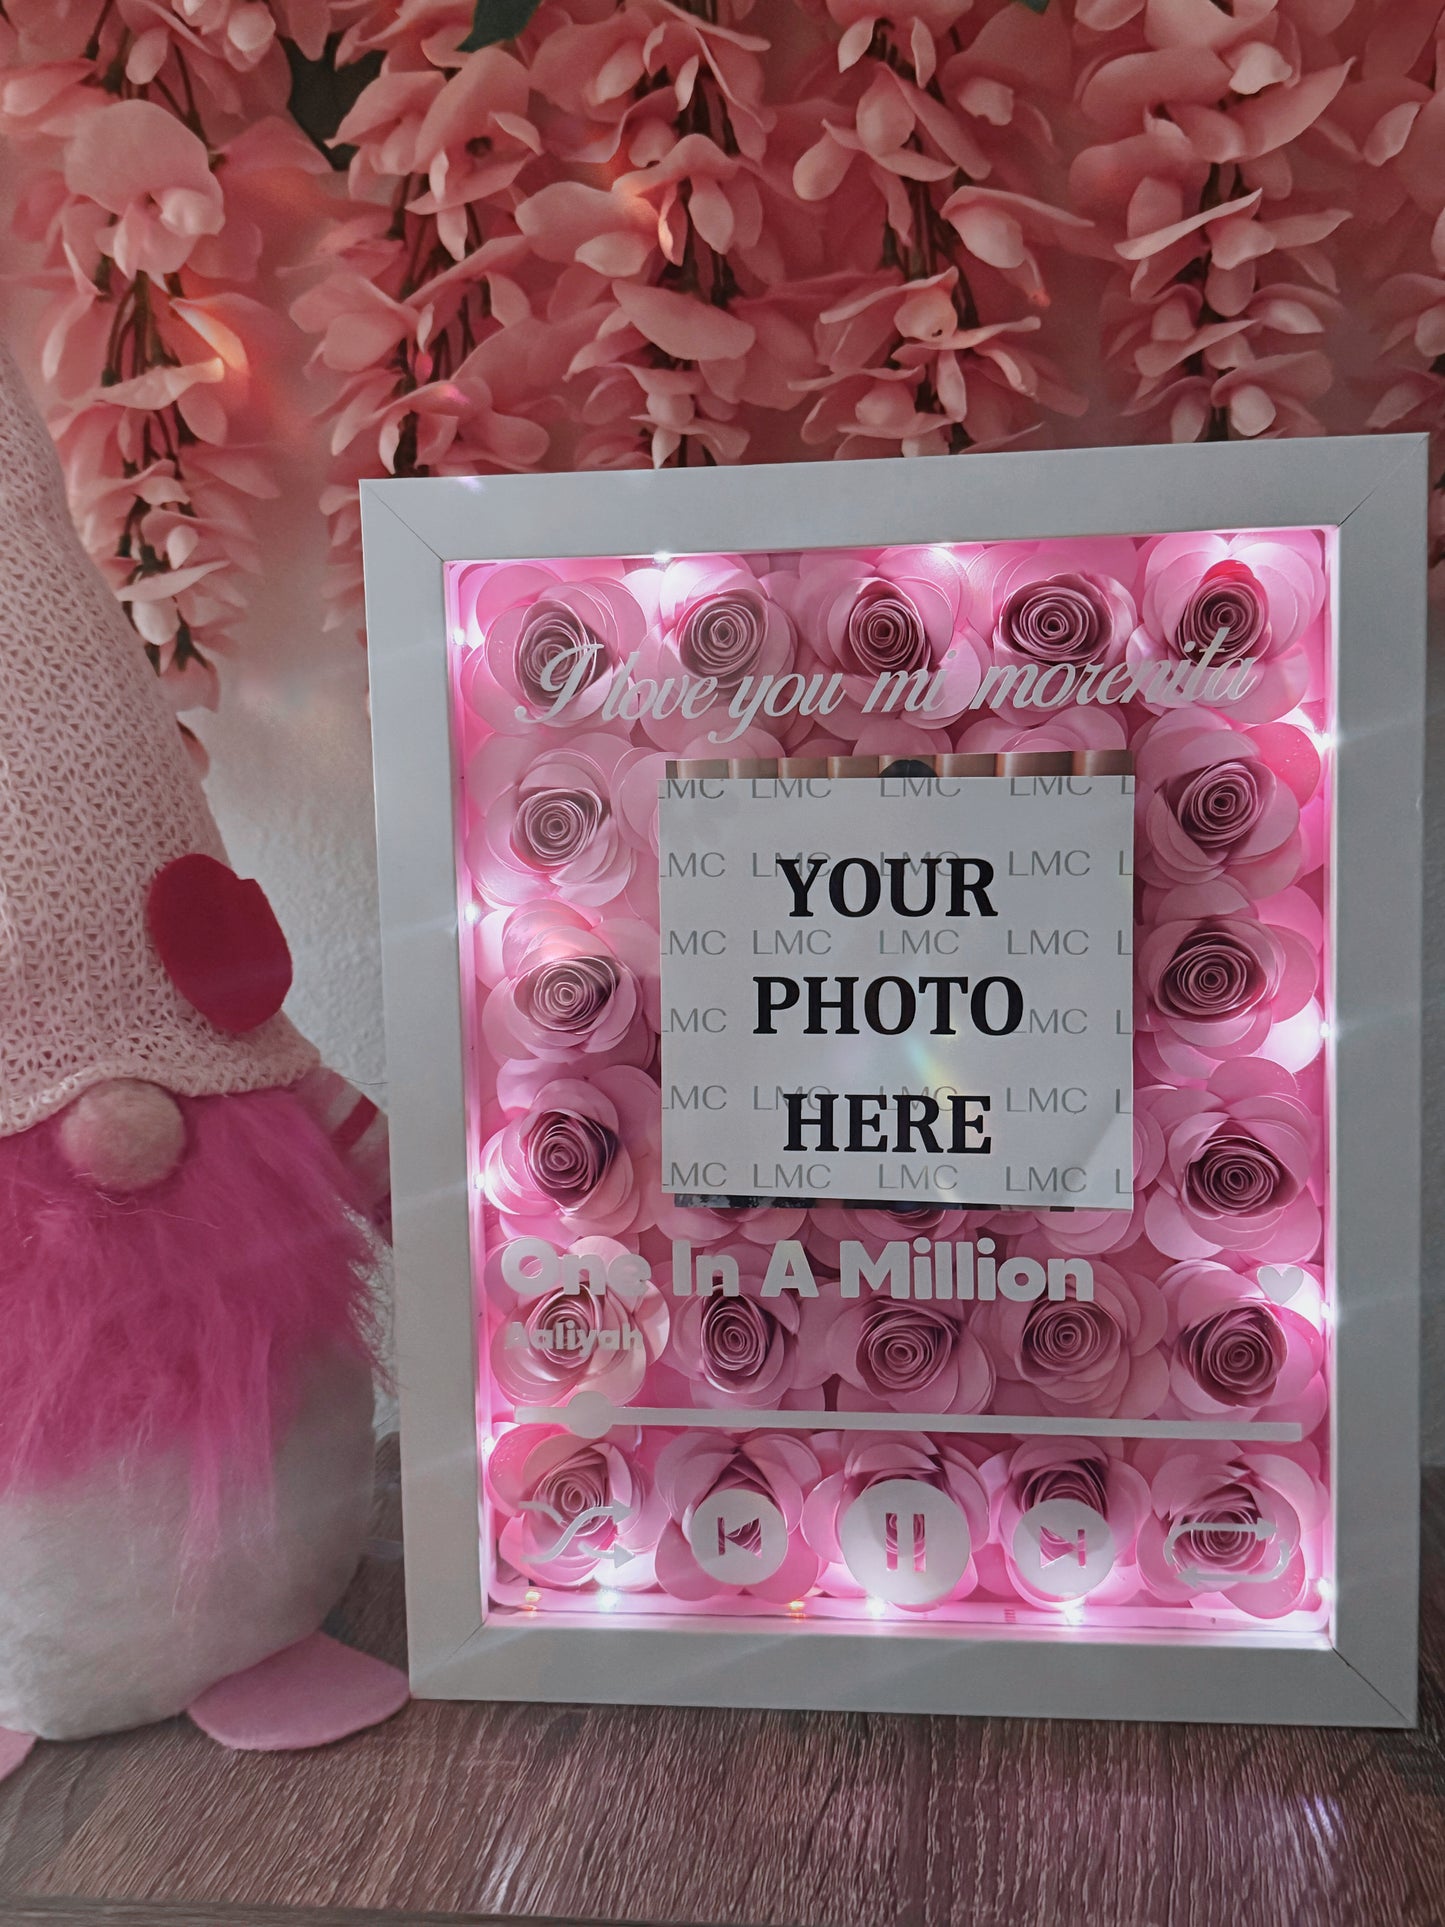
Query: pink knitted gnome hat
(99, 800)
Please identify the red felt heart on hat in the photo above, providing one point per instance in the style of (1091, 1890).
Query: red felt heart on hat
(219, 941)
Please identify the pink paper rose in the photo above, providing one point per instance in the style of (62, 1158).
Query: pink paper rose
(1231, 599)
(1240, 1156)
(567, 987)
(775, 1467)
(746, 1351)
(897, 612)
(1212, 978)
(1074, 1356)
(1237, 1350)
(601, 1337)
(1071, 618)
(544, 822)
(854, 1462)
(574, 1513)
(1231, 1521)
(545, 640)
(1089, 1472)
(580, 1155)
(712, 617)
(1218, 802)
(900, 1355)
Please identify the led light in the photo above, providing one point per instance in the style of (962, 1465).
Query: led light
(606, 1602)
(797, 1606)
(877, 1608)
(1326, 1591)
(479, 1183)
(662, 558)
(1074, 1611)
(473, 912)
(532, 1598)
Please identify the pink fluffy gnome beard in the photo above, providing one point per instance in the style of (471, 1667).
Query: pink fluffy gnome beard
(174, 1317)
(185, 1404)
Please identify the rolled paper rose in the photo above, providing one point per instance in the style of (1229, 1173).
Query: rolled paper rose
(1080, 1472)
(1211, 970)
(745, 1350)
(1220, 806)
(546, 820)
(1227, 600)
(904, 1356)
(1217, 802)
(890, 612)
(559, 985)
(722, 636)
(1065, 618)
(772, 1467)
(568, 998)
(1228, 612)
(1237, 1350)
(1228, 1520)
(567, 1157)
(853, 1463)
(545, 639)
(545, 1348)
(580, 1157)
(552, 827)
(1235, 1174)
(1213, 979)
(1080, 1481)
(1237, 1355)
(556, 650)
(1100, 1354)
(574, 1513)
(884, 630)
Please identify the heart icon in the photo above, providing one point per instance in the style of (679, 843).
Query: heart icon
(1280, 1282)
(219, 941)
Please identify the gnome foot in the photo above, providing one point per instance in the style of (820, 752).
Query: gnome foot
(14, 1749)
(308, 1695)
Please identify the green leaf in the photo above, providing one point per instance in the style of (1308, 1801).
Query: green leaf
(323, 94)
(496, 20)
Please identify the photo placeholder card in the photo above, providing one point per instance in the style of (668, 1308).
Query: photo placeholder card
(912, 988)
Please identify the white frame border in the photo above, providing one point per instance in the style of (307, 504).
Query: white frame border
(1374, 491)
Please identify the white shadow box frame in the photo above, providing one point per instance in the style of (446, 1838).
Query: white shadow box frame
(1373, 491)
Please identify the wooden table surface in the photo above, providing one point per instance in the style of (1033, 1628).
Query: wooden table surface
(572, 1814)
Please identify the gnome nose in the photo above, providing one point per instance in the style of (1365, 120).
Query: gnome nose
(123, 1135)
(219, 941)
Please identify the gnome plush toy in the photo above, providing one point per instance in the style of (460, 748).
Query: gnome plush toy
(185, 1371)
